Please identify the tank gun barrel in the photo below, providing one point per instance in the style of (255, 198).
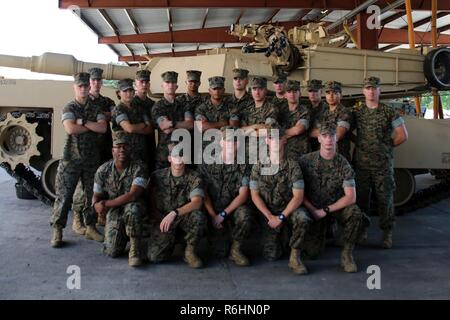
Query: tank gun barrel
(64, 64)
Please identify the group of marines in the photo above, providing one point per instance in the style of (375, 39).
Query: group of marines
(113, 173)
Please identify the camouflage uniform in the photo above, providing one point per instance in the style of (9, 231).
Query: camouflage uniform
(104, 144)
(325, 181)
(147, 106)
(298, 145)
(253, 115)
(341, 117)
(374, 159)
(80, 160)
(212, 113)
(276, 192)
(242, 103)
(138, 142)
(315, 85)
(222, 183)
(125, 221)
(191, 103)
(168, 193)
(174, 112)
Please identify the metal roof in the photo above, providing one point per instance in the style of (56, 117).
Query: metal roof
(111, 22)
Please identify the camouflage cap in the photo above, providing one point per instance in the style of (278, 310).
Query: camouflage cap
(333, 86)
(216, 82)
(258, 82)
(327, 128)
(314, 85)
(143, 75)
(126, 84)
(170, 76)
(96, 73)
(371, 82)
(280, 79)
(120, 138)
(82, 78)
(193, 75)
(292, 85)
(240, 73)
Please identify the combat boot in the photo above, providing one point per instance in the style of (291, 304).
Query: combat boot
(295, 262)
(237, 256)
(56, 241)
(78, 224)
(101, 221)
(133, 256)
(191, 258)
(387, 239)
(93, 234)
(347, 261)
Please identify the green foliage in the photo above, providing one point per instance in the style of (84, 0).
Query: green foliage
(427, 100)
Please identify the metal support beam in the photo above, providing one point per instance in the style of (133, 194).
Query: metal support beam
(367, 38)
(135, 26)
(272, 15)
(279, 4)
(113, 26)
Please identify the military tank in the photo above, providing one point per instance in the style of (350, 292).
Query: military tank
(31, 135)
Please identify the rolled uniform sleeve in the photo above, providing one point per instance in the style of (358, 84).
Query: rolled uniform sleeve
(158, 112)
(196, 187)
(296, 176)
(68, 113)
(304, 122)
(99, 180)
(101, 116)
(188, 114)
(119, 114)
(398, 121)
(345, 119)
(348, 175)
(140, 176)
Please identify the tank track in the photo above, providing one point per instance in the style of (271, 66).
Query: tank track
(29, 180)
(430, 195)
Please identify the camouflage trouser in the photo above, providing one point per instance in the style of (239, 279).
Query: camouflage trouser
(162, 244)
(239, 224)
(350, 218)
(121, 223)
(67, 177)
(78, 199)
(382, 183)
(290, 234)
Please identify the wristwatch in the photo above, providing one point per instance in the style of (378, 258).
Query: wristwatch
(223, 214)
(326, 209)
(281, 216)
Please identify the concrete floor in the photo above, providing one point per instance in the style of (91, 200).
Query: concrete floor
(416, 268)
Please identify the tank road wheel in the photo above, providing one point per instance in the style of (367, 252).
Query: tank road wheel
(405, 186)
(18, 141)
(436, 68)
(48, 177)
